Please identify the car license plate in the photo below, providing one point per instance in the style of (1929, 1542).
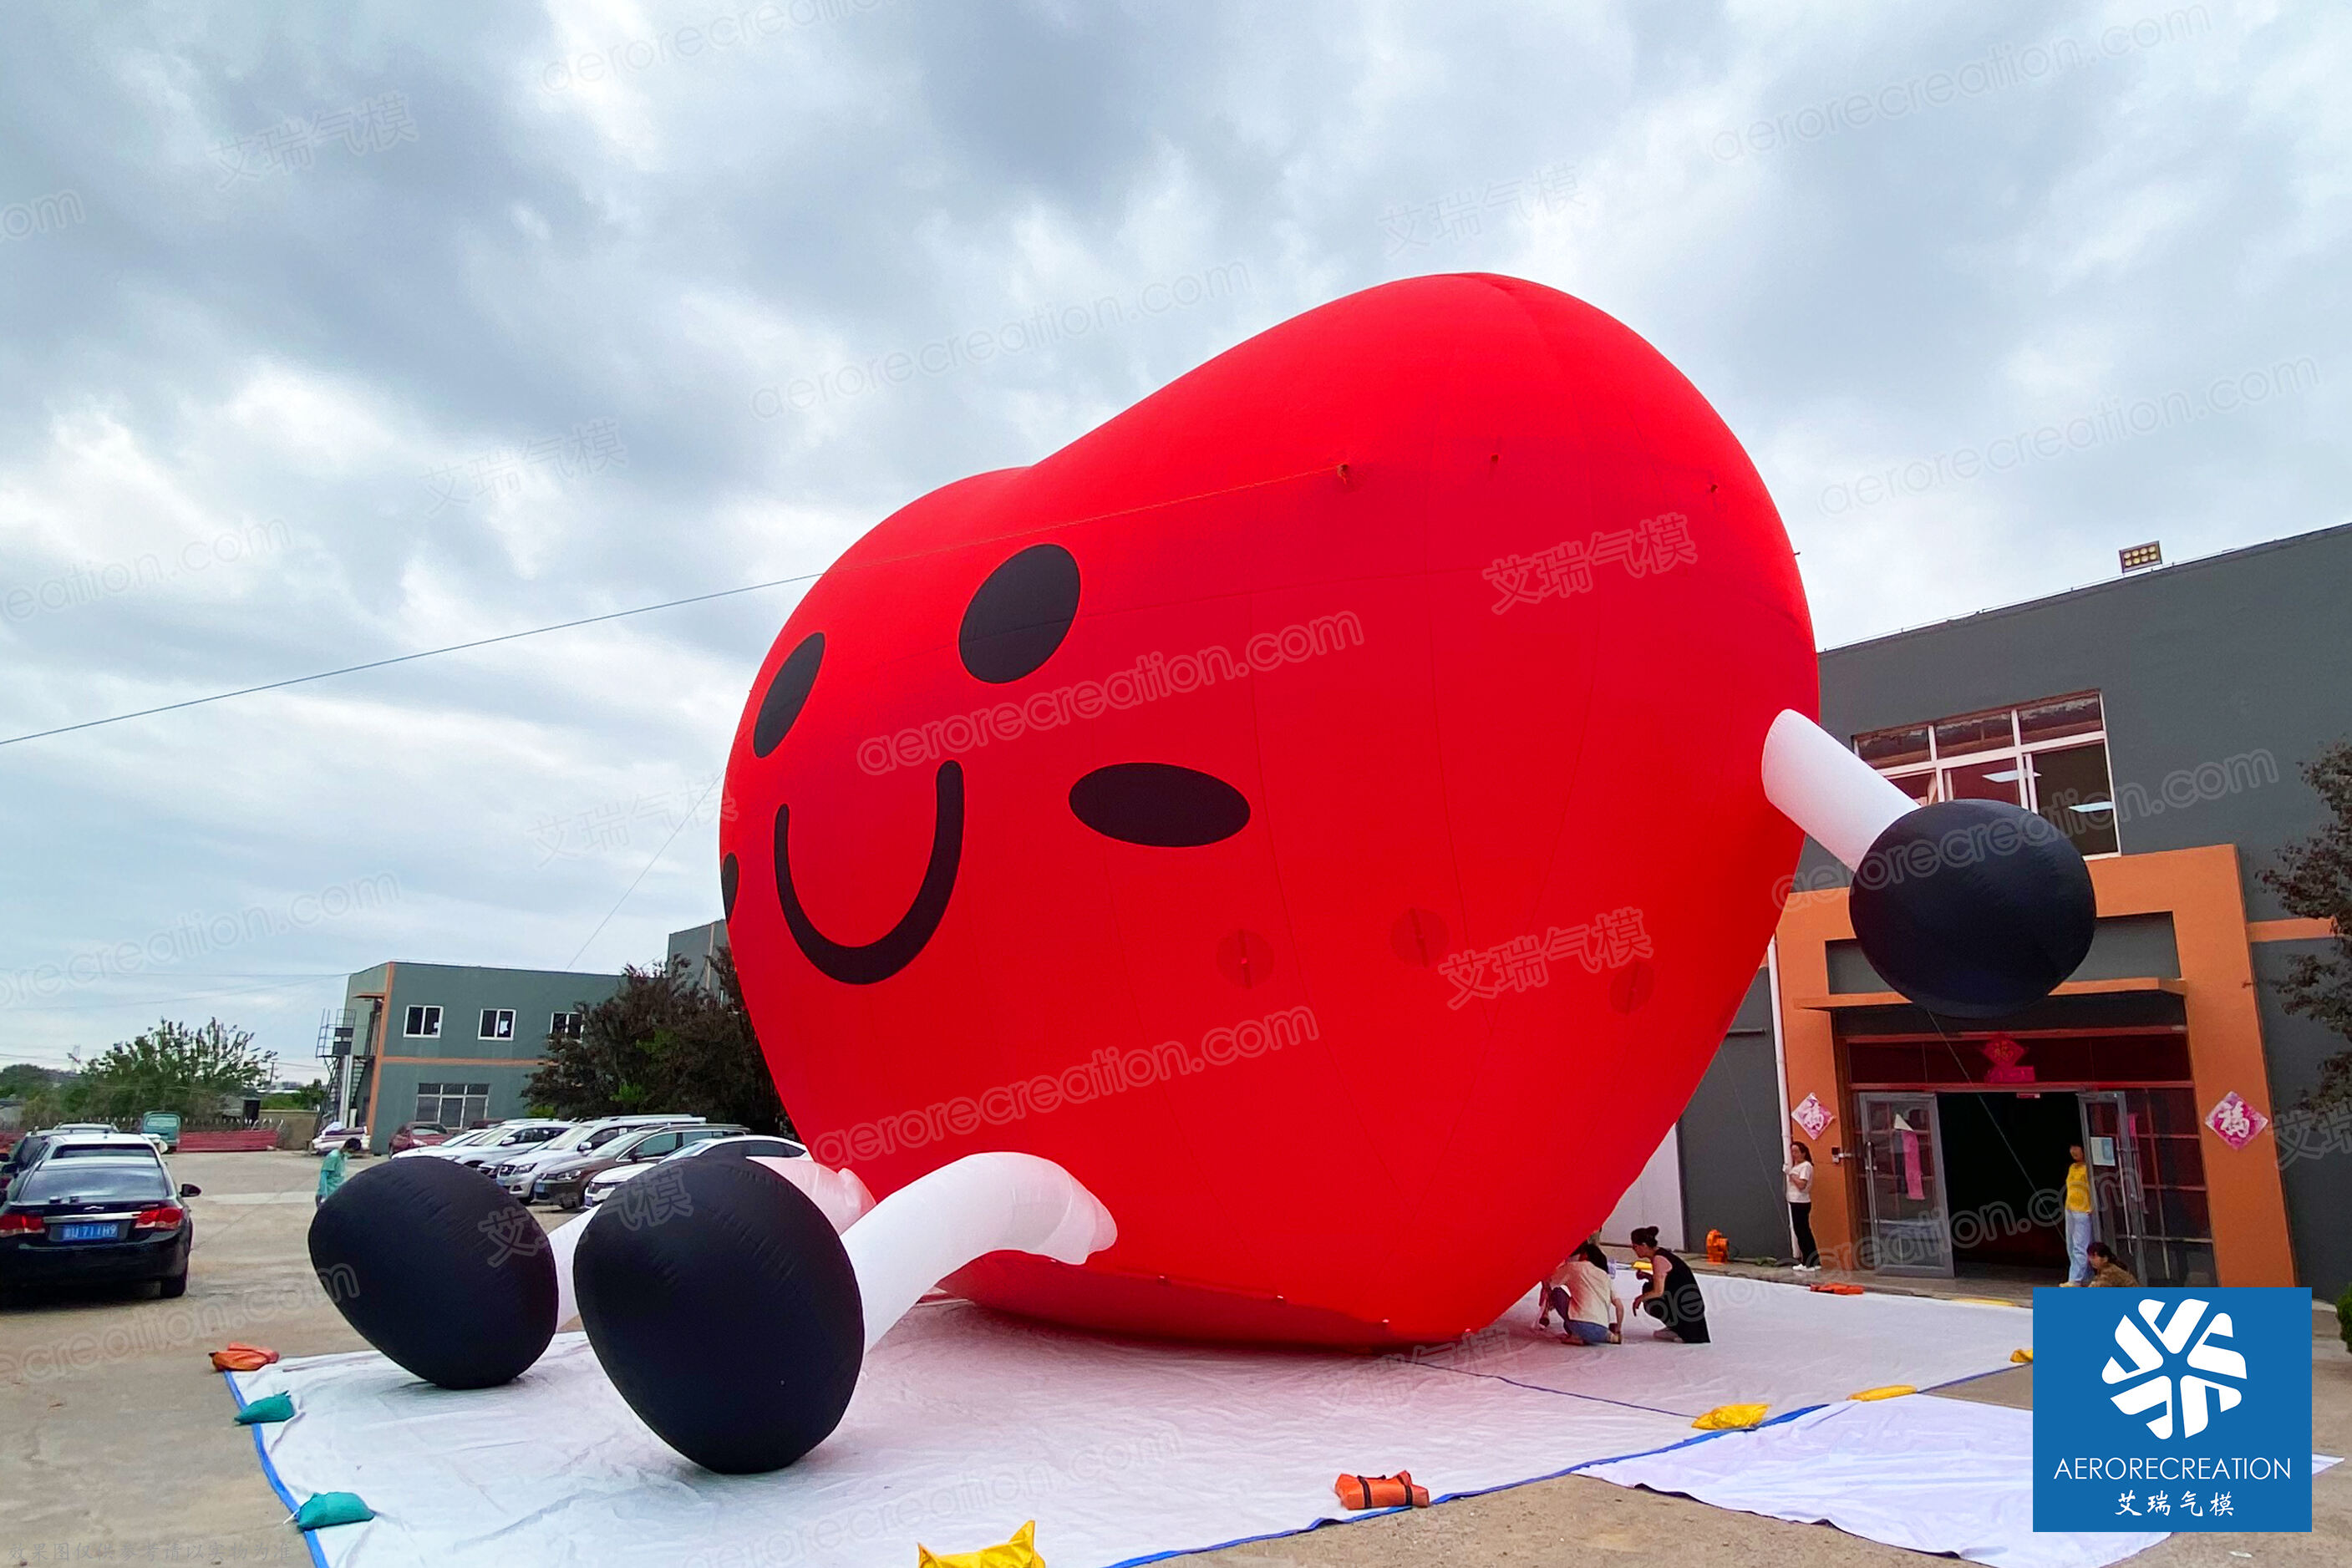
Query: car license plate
(101, 1230)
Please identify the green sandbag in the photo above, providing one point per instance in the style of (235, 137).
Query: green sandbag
(277, 1407)
(329, 1508)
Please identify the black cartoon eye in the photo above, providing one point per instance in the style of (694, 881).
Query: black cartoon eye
(730, 876)
(1020, 615)
(1159, 804)
(787, 693)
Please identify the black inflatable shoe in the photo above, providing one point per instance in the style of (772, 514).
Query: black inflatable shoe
(724, 1308)
(438, 1269)
(1973, 908)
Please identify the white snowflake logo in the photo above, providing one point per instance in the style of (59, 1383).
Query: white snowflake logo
(2152, 1356)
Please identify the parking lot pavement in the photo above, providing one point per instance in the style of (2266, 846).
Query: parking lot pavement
(115, 1438)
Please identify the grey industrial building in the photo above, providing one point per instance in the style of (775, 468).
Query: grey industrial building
(455, 1043)
(448, 1043)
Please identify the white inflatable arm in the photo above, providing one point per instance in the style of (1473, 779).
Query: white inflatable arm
(981, 1204)
(1824, 788)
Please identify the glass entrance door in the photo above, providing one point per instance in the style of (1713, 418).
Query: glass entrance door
(1903, 1184)
(2147, 1183)
(2118, 1185)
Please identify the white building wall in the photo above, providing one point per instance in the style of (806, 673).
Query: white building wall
(1655, 1198)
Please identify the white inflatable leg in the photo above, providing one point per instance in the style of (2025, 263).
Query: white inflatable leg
(564, 1241)
(1826, 789)
(981, 1204)
(838, 1195)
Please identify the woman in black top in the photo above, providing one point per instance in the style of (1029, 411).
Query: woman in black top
(1672, 1295)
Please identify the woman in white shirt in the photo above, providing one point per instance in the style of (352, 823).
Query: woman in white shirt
(1581, 1292)
(1796, 1181)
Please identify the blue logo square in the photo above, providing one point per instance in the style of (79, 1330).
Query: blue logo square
(2172, 1410)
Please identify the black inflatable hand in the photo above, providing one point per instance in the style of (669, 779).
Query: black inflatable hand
(725, 1311)
(1973, 908)
(438, 1269)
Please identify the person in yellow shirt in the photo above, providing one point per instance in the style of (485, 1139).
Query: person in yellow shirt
(2078, 1216)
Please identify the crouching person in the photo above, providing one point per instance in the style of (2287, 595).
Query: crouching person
(1672, 1295)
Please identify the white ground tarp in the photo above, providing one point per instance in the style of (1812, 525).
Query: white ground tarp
(966, 1423)
(1934, 1474)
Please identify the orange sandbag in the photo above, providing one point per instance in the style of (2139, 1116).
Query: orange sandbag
(1381, 1491)
(1837, 1290)
(1718, 1247)
(239, 1357)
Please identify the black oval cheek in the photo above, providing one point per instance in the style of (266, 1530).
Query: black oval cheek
(1020, 614)
(787, 693)
(1159, 804)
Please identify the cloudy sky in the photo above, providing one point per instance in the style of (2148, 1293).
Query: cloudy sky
(330, 333)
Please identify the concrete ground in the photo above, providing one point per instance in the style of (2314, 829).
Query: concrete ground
(116, 1443)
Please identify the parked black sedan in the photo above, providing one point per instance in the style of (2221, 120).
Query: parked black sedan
(95, 1221)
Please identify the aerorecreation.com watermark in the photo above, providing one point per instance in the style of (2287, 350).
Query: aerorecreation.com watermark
(2178, 791)
(196, 934)
(2113, 422)
(2002, 66)
(40, 215)
(1101, 1075)
(1152, 678)
(960, 351)
(93, 581)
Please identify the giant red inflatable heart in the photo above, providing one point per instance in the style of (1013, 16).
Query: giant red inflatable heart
(1319, 809)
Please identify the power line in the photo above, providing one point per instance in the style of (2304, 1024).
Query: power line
(406, 658)
(640, 875)
(666, 604)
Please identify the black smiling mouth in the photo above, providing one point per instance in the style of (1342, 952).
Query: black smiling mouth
(1155, 804)
(877, 960)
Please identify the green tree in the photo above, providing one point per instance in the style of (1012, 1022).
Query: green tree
(664, 1042)
(2313, 879)
(171, 1067)
(20, 1078)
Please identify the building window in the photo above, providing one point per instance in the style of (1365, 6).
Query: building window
(424, 1023)
(2049, 756)
(497, 1023)
(566, 1026)
(453, 1105)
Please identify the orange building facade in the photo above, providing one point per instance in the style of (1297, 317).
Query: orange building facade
(2157, 1058)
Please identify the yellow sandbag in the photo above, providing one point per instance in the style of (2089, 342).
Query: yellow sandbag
(1732, 1417)
(2022, 1357)
(1891, 1391)
(1021, 1552)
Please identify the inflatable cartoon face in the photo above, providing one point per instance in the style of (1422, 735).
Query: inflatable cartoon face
(1319, 809)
